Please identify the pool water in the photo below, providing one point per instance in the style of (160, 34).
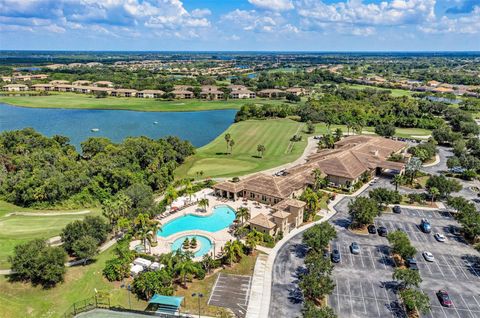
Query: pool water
(221, 218)
(204, 243)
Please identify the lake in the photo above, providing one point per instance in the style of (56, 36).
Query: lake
(198, 127)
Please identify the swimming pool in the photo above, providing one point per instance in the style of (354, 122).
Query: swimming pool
(204, 243)
(222, 217)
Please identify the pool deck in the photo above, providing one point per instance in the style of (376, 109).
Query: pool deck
(218, 238)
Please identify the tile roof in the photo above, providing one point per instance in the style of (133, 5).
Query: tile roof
(263, 221)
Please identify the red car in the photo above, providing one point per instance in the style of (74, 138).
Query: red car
(444, 298)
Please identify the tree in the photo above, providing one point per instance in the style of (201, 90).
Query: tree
(412, 167)
(203, 204)
(85, 248)
(145, 229)
(401, 244)
(385, 130)
(185, 268)
(363, 211)
(433, 193)
(227, 138)
(415, 300)
(397, 179)
(149, 283)
(292, 98)
(312, 203)
(243, 214)
(384, 197)
(208, 263)
(38, 263)
(232, 251)
(253, 239)
(310, 127)
(93, 226)
(316, 286)
(445, 186)
(319, 236)
(310, 310)
(338, 134)
(328, 141)
(231, 143)
(170, 195)
(407, 277)
(319, 181)
(261, 150)
(116, 269)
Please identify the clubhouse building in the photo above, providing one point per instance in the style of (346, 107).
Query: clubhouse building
(343, 166)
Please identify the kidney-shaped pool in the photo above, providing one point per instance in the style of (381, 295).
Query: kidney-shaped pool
(221, 217)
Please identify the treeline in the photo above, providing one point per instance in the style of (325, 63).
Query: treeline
(36, 170)
(355, 109)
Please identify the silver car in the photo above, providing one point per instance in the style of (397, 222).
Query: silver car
(440, 237)
(428, 256)
(355, 248)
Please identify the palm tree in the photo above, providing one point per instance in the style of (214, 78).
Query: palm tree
(243, 213)
(398, 179)
(204, 204)
(208, 263)
(338, 134)
(261, 150)
(188, 187)
(231, 143)
(125, 203)
(253, 239)
(227, 137)
(232, 250)
(110, 211)
(412, 167)
(170, 195)
(143, 229)
(311, 200)
(184, 269)
(319, 181)
(124, 225)
(434, 192)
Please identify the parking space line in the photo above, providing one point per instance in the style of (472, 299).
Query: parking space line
(376, 301)
(466, 305)
(363, 299)
(449, 266)
(350, 294)
(476, 301)
(248, 291)
(383, 257)
(213, 289)
(338, 297)
(459, 266)
(440, 269)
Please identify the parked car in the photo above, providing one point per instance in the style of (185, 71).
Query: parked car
(425, 226)
(355, 248)
(336, 256)
(444, 298)
(455, 230)
(382, 231)
(397, 209)
(412, 264)
(440, 237)
(372, 229)
(428, 256)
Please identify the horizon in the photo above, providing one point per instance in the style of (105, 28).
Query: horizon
(243, 25)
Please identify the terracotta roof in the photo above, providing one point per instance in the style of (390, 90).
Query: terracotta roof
(295, 89)
(281, 214)
(124, 90)
(263, 221)
(270, 90)
(152, 91)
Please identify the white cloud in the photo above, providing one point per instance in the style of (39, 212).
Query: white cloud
(200, 13)
(274, 5)
(466, 24)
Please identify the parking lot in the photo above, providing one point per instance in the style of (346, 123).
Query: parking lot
(364, 282)
(231, 291)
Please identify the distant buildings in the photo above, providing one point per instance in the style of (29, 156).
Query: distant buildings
(15, 88)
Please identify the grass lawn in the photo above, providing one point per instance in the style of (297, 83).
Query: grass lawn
(245, 267)
(395, 92)
(274, 134)
(399, 132)
(16, 229)
(85, 101)
(22, 299)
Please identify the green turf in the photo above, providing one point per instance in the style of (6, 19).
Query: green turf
(23, 300)
(16, 229)
(85, 101)
(273, 134)
(395, 92)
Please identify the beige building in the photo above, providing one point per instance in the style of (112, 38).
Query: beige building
(103, 84)
(298, 91)
(43, 87)
(150, 93)
(270, 93)
(15, 88)
(81, 83)
(182, 94)
(242, 94)
(56, 82)
(123, 92)
(63, 88)
(211, 92)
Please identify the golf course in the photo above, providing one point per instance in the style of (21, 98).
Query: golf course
(87, 101)
(214, 160)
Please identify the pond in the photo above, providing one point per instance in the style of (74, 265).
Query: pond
(198, 127)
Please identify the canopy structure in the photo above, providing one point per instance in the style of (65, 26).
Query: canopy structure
(166, 304)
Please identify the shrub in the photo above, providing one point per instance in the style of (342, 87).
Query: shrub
(116, 269)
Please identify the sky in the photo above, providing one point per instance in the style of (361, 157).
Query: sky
(241, 25)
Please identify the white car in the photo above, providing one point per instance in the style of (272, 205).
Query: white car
(428, 256)
(440, 237)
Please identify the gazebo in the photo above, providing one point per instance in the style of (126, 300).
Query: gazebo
(165, 304)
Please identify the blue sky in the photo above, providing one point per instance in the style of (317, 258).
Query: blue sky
(293, 25)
